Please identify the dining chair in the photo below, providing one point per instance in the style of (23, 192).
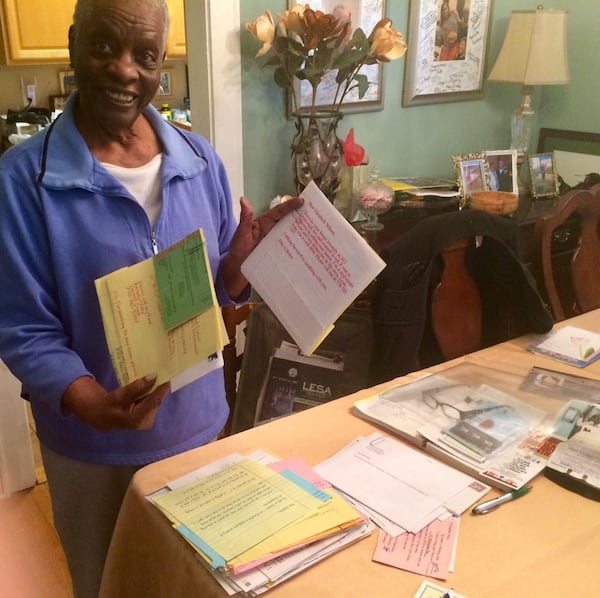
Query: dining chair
(456, 311)
(453, 284)
(574, 226)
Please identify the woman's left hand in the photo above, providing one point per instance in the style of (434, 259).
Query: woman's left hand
(249, 233)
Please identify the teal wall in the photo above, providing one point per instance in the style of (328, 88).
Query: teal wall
(417, 140)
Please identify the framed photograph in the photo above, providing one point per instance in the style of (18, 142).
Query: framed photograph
(66, 80)
(471, 175)
(364, 14)
(165, 89)
(544, 178)
(57, 102)
(447, 47)
(502, 170)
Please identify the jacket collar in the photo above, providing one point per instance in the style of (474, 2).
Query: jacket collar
(67, 162)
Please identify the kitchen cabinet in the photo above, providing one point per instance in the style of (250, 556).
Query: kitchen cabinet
(36, 31)
(176, 43)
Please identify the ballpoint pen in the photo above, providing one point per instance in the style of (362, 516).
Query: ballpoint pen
(490, 505)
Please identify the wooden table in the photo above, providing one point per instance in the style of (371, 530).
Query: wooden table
(545, 545)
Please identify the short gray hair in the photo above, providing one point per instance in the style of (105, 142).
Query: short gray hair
(84, 8)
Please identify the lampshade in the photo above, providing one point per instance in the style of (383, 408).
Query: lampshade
(534, 51)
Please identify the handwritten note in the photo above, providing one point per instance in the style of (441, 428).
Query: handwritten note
(135, 333)
(429, 552)
(183, 279)
(235, 508)
(310, 267)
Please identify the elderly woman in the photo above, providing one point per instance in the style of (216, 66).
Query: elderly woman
(105, 186)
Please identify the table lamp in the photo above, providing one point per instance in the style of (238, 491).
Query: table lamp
(534, 52)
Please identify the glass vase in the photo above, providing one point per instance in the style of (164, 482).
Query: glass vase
(317, 153)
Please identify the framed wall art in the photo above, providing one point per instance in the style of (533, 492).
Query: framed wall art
(502, 170)
(364, 14)
(66, 80)
(447, 46)
(165, 89)
(544, 178)
(57, 101)
(472, 174)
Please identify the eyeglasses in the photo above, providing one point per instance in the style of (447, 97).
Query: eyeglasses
(453, 412)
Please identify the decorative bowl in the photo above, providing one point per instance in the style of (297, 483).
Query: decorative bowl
(495, 202)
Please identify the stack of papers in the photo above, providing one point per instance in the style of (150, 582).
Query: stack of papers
(255, 522)
(152, 312)
(569, 344)
(414, 499)
(480, 429)
(401, 488)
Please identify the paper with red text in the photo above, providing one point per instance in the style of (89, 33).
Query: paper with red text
(310, 267)
(429, 552)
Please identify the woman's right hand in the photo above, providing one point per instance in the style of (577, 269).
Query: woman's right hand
(131, 407)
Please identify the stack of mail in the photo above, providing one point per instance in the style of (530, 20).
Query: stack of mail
(255, 524)
(401, 489)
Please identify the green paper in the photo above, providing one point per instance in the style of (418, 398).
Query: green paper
(184, 286)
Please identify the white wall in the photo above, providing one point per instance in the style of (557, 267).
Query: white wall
(17, 469)
(215, 82)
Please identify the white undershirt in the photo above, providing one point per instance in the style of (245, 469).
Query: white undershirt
(143, 182)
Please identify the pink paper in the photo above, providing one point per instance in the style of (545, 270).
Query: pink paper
(430, 552)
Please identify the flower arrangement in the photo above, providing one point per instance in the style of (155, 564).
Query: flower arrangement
(308, 45)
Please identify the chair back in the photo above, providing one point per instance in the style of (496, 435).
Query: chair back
(571, 274)
(456, 304)
(452, 284)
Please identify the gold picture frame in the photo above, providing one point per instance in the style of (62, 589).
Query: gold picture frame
(471, 171)
(543, 175)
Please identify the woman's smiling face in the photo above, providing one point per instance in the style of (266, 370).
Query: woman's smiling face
(117, 54)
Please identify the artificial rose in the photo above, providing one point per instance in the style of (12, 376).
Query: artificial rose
(311, 46)
(291, 20)
(386, 43)
(321, 26)
(263, 29)
(354, 154)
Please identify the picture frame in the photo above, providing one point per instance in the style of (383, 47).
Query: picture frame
(165, 88)
(581, 142)
(576, 153)
(471, 171)
(543, 175)
(365, 14)
(502, 170)
(57, 101)
(434, 75)
(66, 81)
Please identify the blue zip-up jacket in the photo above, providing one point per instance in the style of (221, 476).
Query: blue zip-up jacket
(65, 221)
